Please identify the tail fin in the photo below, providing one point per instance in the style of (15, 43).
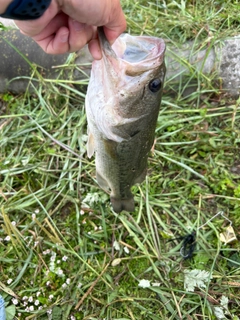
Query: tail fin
(123, 204)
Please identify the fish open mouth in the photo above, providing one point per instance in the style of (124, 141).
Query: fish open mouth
(143, 53)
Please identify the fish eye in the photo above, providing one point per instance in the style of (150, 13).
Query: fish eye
(155, 85)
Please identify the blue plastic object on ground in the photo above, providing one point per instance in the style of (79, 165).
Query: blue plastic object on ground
(2, 309)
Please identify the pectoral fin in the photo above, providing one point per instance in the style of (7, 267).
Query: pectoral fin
(90, 145)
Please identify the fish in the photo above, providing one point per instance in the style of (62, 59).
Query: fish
(122, 105)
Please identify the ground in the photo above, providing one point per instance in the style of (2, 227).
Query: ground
(64, 254)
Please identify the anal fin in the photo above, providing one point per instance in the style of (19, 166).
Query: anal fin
(102, 182)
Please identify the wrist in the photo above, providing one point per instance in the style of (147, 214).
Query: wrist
(25, 9)
(4, 5)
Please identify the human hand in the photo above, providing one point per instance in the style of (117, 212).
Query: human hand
(67, 25)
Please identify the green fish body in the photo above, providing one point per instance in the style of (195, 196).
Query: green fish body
(122, 106)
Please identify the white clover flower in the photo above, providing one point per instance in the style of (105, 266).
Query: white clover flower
(36, 302)
(46, 251)
(53, 258)
(27, 309)
(15, 301)
(9, 281)
(13, 223)
(144, 283)
(8, 238)
(38, 294)
(64, 258)
(31, 308)
(30, 299)
(60, 272)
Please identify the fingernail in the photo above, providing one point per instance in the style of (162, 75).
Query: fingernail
(78, 25)
(64, 37)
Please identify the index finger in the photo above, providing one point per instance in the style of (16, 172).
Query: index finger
(107, 13)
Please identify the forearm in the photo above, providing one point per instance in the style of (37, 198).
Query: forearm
(4, 4)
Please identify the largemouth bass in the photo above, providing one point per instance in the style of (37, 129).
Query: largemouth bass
(122, 105)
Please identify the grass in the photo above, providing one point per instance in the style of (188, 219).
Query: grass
(64, 254)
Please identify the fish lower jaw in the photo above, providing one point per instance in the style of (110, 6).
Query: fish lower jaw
(120, 205)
